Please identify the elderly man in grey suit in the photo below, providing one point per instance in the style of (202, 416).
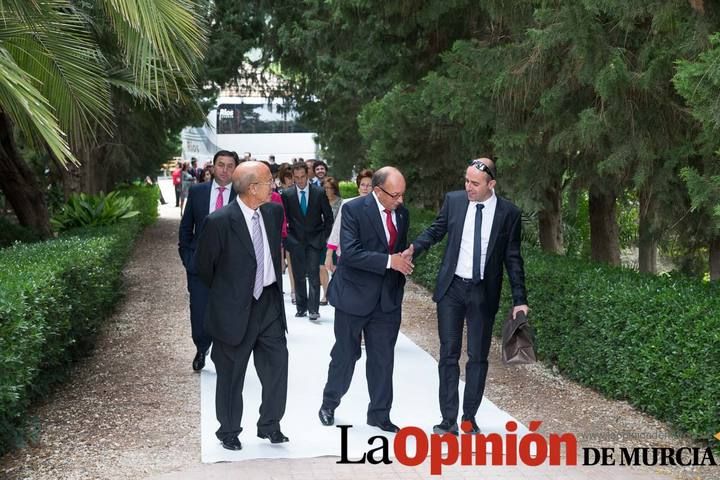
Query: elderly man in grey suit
(238, 257)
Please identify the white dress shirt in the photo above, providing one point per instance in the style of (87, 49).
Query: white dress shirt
(383, 217)
(307, 193)
(214, 192)
(268, 269)
(467, 244)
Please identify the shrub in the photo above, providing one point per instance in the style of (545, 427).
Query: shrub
(11, 232)
(83, 210)
(145, 200)
(650, 340)
(348, 189)
(54, 297)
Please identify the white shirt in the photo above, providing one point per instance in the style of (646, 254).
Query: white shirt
(383, 216)
(307, 194)
(467, 244)
(214, 194)
(268, 269)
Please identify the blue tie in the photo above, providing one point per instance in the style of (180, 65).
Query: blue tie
(303, 203)
(477, 248)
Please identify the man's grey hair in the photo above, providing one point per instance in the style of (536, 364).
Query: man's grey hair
(380, 177)
(242, 185)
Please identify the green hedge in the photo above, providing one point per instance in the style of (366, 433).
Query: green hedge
(651, 340)
(348, 189)
(145, 200)
(54, 297)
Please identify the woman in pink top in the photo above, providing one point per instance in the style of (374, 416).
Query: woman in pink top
(364, 183)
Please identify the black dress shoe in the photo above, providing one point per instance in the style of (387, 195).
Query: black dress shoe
(301, 313)
(471, 426)
(446, 426)
(232, 443)
(274, 437)
(199, 361)
(386, 426)
(327, 416)
(314, 316)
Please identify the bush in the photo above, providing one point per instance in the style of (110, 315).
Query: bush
(11, 232)
(145, 200)
(348, 189)
(54, 296)
(650, 340)
(83, 210)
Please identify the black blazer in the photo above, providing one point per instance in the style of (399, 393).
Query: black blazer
(193, 219)
(225, 262)
(503, 248)
(312, 229)
(361, 279)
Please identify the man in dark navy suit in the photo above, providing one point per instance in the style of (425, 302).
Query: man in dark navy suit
(483, 237)
(367, 292)
(238, 258)
(203, 199)
(310, 221)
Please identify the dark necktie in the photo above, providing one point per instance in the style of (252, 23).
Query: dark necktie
(391, 230)
(477, 245)
(303, 202)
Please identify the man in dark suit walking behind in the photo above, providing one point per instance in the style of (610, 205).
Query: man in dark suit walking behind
(310, 221)
(238, 257)
(203, 199)
(483, 236)
(367, 292)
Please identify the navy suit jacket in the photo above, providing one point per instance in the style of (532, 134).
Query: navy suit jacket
(361, 279)
(312, 229)
(193, 220)
(503, 248)
(225, 261)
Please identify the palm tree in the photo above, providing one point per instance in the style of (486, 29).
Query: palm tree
(60, 60)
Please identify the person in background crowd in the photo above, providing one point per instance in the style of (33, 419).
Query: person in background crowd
(187, 181)
(310, 163)
(309, 223)
(320, 170)
(364, 184)
(177, 182)
(332, 190)
(207, 175)
(203, 199)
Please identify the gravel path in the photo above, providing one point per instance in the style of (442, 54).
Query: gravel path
(131, 409)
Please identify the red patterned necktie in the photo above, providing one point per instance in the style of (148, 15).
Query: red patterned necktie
(219, 201)
(391, 229)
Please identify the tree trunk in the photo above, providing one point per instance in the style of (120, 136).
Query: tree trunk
(550, 221)
(18, 183)
(714, 259)
(647, 241)
(604, 242)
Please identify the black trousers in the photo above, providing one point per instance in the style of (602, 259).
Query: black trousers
(199, 293)
(462, 301)
(306, 264)
(381, 331)
(265, 339)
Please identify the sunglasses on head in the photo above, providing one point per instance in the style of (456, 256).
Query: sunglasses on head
(483, 168)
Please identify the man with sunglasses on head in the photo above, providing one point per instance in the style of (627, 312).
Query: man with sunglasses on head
(367, 293)
(483, 239)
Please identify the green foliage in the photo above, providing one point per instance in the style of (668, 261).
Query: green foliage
(11, 232)
(348, 189)
(652, 341)
(145, 200)
(93, 211)
(54, 298)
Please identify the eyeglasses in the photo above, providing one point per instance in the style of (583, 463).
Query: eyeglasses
(394, 196)
(483, 168)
